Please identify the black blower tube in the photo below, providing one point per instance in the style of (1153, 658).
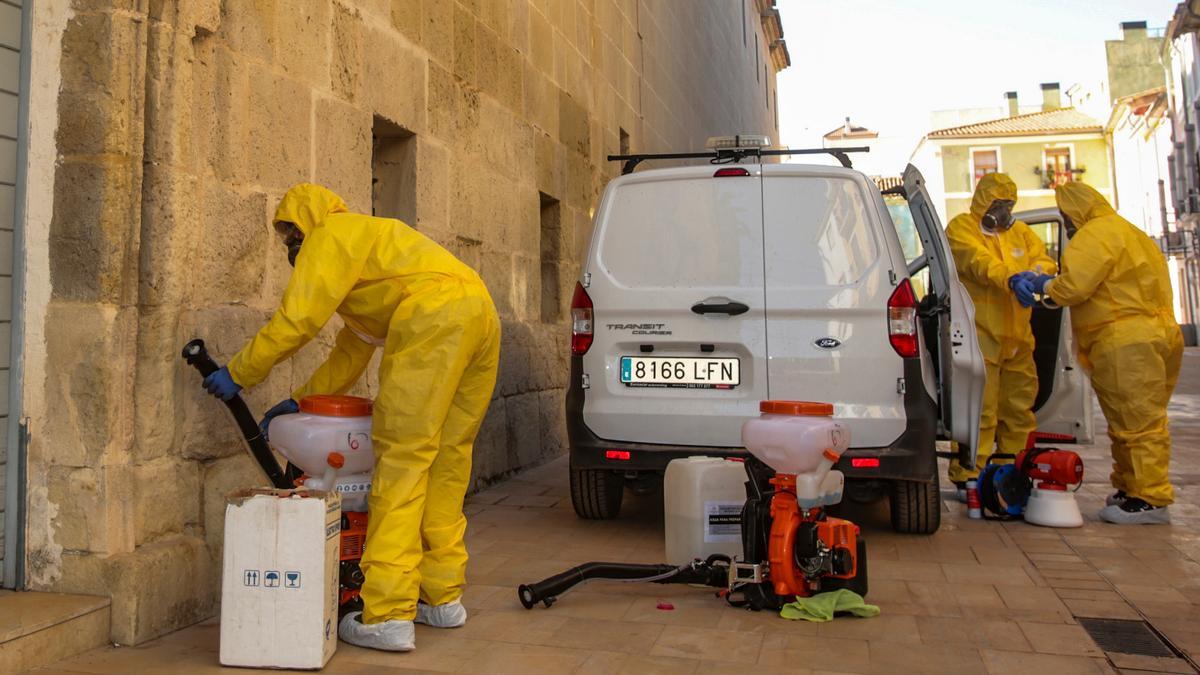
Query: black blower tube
(197, 356)
(547, 590)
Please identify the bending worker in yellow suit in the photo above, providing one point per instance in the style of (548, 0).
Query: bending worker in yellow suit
(1115, 280)
(441, 342)
(997, 256)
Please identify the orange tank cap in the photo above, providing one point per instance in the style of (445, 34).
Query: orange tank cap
(336, 406)
(805, 408)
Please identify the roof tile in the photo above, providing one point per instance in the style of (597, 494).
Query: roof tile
(1062, 120)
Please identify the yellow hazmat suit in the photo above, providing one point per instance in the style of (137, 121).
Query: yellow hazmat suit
(985, 262)
(441, 342)
(1115, 281)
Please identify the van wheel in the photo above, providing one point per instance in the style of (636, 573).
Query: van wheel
(596, 493)
(916, 506)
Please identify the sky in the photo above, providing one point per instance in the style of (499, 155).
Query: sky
(887, 64)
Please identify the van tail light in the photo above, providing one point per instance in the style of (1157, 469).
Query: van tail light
(902, 320)
(731, 172)
(864, 462)
(619, 455)
(581, 321)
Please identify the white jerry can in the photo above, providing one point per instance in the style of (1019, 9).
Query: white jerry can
(702, 504)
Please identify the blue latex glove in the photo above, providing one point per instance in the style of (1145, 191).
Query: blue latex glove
(1028, 275)
(1023, 289)
(221, 385)
(285, 407)
(1039, 283)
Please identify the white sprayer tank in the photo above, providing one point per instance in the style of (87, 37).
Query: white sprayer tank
(800, 438)
(330, 440)
(702, 505)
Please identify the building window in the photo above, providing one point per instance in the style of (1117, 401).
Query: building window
(983, 162)
(551, 258)
(393, 172)
(1058, 168)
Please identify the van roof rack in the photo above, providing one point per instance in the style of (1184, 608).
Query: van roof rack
(735, 155)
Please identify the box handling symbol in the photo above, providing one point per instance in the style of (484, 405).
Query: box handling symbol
(271, 579)
(291, 579)
(251, 577)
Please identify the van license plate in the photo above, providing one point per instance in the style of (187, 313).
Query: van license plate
(685, 372)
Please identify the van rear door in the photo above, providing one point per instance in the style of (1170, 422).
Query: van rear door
(828, 278)
(675, 276)
(959, 360)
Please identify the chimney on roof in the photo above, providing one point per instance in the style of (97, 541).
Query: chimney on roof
(1051, 96)
(1133, 30)
(846, 127)
(1011, 98)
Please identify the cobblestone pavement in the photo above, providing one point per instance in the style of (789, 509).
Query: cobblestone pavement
(975, 597)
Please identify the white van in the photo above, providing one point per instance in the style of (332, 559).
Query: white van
(708, 289)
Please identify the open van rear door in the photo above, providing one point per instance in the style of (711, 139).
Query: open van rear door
(957, 355)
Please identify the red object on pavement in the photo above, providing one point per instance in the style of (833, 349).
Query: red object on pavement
(666, 606)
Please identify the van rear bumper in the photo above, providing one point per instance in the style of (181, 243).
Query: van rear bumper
(912, 456)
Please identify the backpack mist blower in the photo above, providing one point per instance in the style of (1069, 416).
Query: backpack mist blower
(790, 546)
(1008, 492)
(328, 447)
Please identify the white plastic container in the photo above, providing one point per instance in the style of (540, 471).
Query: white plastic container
(802, 439)
(792, 436)
(702, 505)
(330, 440)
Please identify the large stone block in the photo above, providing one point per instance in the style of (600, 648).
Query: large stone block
(222, 112)
(496, 269)
(518, 26)
(510, 76)
(343, 161)
(166, 498)
(490, 457)
(279, 143)
(303, 29)
(250, 27)
(487, 58)
(437, 30)
(541, 43)
(394, 79)
(442, 102)
(573, 129)
(523, 426)
(550, 166)
(220, 478)
(226, 264)
(345, 66)
(465, 55)
(93, 231)
(553, 422)
(89, 383)
(167, 237)
(92, 508)
(103, 87)
(159, 588)
(406, 17)
(495, 14)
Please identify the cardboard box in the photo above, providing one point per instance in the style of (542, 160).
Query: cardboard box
(279, 590)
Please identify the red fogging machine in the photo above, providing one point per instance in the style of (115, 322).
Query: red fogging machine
(1034, 487)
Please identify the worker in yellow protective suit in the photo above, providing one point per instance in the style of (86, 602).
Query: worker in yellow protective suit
(440, 334)
(998, 256)
(1115, 280)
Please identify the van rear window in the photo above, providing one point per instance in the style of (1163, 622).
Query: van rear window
(819, 231)
(682, 233)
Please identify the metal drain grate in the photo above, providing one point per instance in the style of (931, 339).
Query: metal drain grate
(1126, 636)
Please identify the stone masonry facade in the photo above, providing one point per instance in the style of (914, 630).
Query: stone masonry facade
(177, 126)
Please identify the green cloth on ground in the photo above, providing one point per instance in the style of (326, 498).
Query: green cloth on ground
(822, 606)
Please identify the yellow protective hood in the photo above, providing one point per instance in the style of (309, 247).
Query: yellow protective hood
(307, 205)
(991, 187)
(1081, 203)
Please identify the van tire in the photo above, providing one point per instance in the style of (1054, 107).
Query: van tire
(596, 493)
(916, 506)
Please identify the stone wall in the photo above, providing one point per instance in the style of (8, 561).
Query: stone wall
(180, 123)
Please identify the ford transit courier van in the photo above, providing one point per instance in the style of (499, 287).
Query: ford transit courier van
(708, 289)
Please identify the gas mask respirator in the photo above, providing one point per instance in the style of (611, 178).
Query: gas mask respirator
(998, 217)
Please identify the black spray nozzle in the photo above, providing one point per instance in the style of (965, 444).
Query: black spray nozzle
(197, 356)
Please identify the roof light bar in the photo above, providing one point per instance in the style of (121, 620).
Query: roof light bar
(738, 141)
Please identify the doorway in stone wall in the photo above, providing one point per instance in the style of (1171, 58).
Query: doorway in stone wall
(14, 79)
(393, 171)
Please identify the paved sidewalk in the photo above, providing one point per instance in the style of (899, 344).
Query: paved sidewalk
(976, 597)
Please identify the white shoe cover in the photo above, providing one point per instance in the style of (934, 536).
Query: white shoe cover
(1115, 499)
(448, 615)
(1115, 514)
(392, 636)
